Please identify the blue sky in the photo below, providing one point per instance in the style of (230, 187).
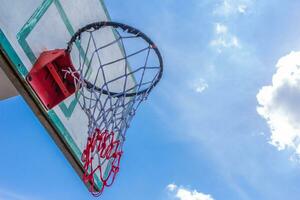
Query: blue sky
(222, 124)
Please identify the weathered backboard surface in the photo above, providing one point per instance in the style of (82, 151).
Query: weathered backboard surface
(27, 28)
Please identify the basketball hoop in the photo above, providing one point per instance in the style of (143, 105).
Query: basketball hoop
(109, 102)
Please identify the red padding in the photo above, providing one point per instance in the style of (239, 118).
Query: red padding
(48, 80)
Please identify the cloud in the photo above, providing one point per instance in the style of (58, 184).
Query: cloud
(242, 8)
(182, 193)
(199, 85)
(225, 8)
(221, 29)
(223, 38)
(225, 42)
(232, 7)
(279, 104)
(171, 187)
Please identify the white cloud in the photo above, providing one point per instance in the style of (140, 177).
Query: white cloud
(232, 7)
(221, 28)
(223, 38)
(222, 42)
(225, 8)
(182, 193)
(185, 194)
(242, 8)
(199, 85)
(280, 104)
(172, 187)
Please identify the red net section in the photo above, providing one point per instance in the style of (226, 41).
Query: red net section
(101, 147)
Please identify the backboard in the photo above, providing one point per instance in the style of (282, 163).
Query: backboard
(27, 28)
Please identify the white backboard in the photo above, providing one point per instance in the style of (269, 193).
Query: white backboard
(27, 28)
